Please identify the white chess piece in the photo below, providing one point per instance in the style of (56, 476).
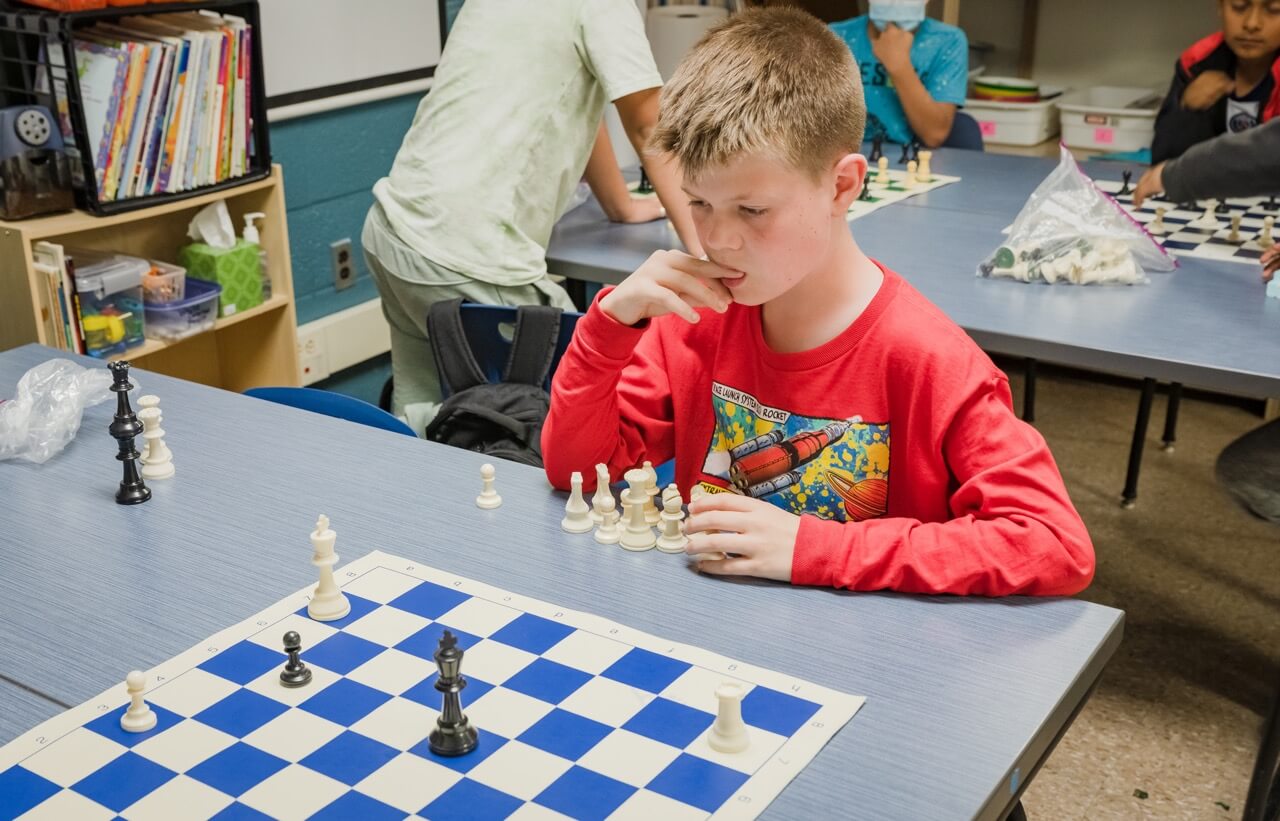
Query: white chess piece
(912, 168)
(602, 490)
(924, 172)
(638, 535)
(608, 531)
(882, 172)
(157, 460)
(488, 498)
(671, 490)
(728, 734)
(651, 513)
(139, 717)
(1156, 226)
(577, 514)
(1234, 236)
(1209, 219)
(328, 603)
(146, 402)
(672, 539)
(1265, 240)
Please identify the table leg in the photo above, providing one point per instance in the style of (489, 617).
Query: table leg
(577, 290)
(1171, 417)
(1263, 799)
(1029, 393)
(1130, 494)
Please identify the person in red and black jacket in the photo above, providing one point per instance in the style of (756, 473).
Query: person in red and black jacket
(1227, 82)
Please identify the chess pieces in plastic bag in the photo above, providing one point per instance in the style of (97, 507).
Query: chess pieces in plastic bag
(125, 428)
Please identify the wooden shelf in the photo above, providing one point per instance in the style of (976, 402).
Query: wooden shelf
(252, 348)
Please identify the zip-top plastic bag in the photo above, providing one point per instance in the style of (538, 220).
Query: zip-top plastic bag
(45, 414)
(1070, 232)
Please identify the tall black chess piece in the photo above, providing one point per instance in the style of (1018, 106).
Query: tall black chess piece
(124, 428)
(295, 673)
(645, 186)
(916, 145)
(906, 154)
(1127, 176)
(877, 148)
(453, 734)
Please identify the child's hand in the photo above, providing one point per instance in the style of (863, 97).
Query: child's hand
(1152, 183)
(1270, 262)
(892, 47)
(642, 209)
(1206, 90)
(763, 536)
(669, 282)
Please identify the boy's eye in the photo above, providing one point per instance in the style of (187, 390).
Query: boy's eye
(697, 204)
(753, 212)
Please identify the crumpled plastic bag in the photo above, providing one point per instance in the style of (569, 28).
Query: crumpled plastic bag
(1070, 232)
(45, 414)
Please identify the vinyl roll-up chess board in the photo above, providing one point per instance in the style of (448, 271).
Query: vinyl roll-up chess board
(578, 717)
(1185, 234)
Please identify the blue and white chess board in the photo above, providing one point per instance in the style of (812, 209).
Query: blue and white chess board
(1184, 236)
(579, 717)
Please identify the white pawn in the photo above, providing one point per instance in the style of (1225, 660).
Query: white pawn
(602, 491)
(1234, 236)
(1156, 226)
(157, 459)
(328, 603)
(488, 498)
(638, 535)
(912, 167)
(608, 532)
(1265, 241)
(672, 539)
(925, 173)
(728, 733)
(577, 514)
(139, 717)
(1209, 219)
(882, 172)
(651, 513)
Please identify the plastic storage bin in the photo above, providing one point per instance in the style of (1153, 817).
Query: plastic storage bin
(1109, 118)
(165, 283)
(1017, 123)
(194, 313)
(109, 290)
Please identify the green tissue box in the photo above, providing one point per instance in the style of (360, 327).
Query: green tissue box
(236, 269)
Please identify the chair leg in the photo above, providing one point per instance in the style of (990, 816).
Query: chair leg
(1017, 813)
(1171, 417)
(1263, 800)
(1130, 493)
(1029, 393)
(384, 400)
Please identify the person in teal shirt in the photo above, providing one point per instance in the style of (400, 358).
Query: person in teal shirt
(915, 70)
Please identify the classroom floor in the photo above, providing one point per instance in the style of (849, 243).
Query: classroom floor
(1173, 728)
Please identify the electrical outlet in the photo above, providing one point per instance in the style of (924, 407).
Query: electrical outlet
(311, 358)
(344, 266)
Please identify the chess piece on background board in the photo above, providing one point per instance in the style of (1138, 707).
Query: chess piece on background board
(488, 498)
(124, 428)
(1125, 189)
(882, 172)
(577, 514)
(906, 154)
(877, 147)
(453, 735)
(295, 673)
(911, 175)
(1223, 208)
(139, 717)
(1156, 226)
(328, 603)
(1234, 236)
(923, 172)
(644, 187)
(1265, 240)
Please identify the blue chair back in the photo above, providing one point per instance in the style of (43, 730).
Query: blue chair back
(965, 133)
(489, 329)
(336, 405)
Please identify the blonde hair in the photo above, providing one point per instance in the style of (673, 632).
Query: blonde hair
(769, 80)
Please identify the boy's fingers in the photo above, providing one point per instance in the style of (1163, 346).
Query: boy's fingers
(702, 543)
(739, 566)
(730, 520)
(700, 291)
(723, 501)
(676, 305)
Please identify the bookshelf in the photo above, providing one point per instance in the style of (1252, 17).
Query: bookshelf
(249, 349)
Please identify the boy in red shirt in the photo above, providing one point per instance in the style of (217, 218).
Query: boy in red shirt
(848, 433)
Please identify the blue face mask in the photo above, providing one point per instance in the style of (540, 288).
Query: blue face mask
(906, 16)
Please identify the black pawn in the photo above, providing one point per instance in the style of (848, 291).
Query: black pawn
(124, 427)
(865, 196)
(645, 187)
(877, 149)
(1127, 176)
(295, 672)
(1271, 202)
(916, 145)
(1222, 207)
(906, 154)
(453, 735)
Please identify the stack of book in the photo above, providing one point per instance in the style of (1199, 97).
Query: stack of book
(166, 101)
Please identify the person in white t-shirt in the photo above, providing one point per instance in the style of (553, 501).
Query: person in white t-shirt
(513, 121)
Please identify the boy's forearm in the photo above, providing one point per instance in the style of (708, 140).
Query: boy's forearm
(665, 176)
(1233, 165)
(929, 119)
(605, 178)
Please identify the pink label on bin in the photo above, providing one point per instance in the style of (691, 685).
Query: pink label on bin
(1104, 136)
(988, 128)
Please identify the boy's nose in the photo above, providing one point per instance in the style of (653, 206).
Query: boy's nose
(720, 236)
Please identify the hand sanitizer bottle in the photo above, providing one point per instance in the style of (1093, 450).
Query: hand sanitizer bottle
(251, 235)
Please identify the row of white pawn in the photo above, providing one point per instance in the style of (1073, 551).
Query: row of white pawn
(633, 527)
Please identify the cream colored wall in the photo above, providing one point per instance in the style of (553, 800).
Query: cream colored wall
(1082, 43)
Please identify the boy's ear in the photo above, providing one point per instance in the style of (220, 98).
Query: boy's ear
(850, 175)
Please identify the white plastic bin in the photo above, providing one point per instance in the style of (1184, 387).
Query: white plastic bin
(1017, 123)
(1109, 118)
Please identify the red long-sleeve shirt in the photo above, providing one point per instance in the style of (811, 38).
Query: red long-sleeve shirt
(896, 442)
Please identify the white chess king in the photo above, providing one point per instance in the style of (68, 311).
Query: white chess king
(327, 602)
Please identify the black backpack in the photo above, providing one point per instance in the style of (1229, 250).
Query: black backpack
(502, 419)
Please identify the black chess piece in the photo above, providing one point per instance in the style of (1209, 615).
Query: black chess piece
(645, 187)
(906, 154)
(1271, 202)
(916, 145)
(1127, 176)
(1222, 207)
(453, 735)
(865, 196)
(877, 149)
(124, 427)
(295, 673)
